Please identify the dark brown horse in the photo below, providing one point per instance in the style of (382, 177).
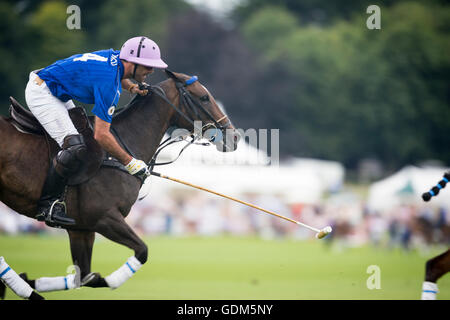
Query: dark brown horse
(101, 204)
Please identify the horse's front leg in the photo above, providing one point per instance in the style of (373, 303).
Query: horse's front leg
(114, 227)
(81, 244)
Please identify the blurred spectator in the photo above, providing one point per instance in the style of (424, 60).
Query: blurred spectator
(13, 223)
(376, 228)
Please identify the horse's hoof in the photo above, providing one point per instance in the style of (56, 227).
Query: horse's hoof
(89, 278)
(93, 280)
(36, 296)
(24, 276)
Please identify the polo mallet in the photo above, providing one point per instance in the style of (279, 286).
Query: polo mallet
(320, 233)
(435, 190)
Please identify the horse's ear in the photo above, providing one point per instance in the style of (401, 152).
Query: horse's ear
(170, 74)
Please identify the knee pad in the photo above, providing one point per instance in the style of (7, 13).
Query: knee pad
(72, 156)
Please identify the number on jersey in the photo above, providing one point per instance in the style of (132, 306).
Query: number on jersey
(91, 56)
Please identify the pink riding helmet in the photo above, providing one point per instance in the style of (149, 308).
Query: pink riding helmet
(142, 50)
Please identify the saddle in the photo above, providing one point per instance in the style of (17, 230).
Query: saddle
(24, 121)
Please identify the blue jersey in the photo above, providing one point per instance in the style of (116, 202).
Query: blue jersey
(92, 78)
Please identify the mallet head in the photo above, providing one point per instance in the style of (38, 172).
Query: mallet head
(325, 231)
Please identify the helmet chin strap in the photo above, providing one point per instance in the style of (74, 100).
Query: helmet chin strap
(138, 55)
(134, 71)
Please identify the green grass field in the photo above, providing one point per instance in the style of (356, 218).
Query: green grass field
(225, 268)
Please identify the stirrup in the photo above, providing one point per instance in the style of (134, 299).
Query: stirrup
(51, 221)
(49, 216)
(45, 215)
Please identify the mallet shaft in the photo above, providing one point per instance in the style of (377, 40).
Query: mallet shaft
(234, 199)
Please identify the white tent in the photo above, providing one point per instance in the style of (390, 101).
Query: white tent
(237, 180)
(330, 173)
(406, 187)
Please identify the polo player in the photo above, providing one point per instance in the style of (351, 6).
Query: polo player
(93, 78)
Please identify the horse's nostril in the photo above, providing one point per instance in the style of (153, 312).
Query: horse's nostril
(237, 137)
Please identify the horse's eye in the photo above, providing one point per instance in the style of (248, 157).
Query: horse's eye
(204, 98)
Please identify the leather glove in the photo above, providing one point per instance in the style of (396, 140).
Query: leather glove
(135, 88)
(138, 168)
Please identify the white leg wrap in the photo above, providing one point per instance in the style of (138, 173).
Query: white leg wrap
(45, 284)
(125, 272)
(13, 281)
(429, 290)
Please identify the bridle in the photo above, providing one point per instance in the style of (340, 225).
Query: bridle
(193, 106)
(191, 138)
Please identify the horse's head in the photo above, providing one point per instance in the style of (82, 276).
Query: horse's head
(196, 103)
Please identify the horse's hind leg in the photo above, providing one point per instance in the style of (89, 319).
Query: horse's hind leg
(116, 229)
(11, 279)
(435, 268)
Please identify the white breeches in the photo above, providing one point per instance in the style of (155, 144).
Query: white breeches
(51, 112)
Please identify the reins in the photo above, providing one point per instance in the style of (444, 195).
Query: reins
(190, 103)
(187, 100)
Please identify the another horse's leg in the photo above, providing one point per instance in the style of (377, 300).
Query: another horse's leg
(116, 229)
(435, 268)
